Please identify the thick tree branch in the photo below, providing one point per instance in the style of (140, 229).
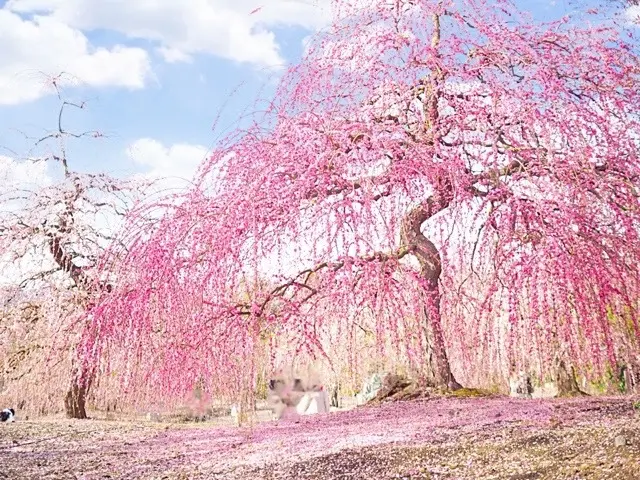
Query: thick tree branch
(302, 278)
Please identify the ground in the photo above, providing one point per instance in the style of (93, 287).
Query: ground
(436, 438)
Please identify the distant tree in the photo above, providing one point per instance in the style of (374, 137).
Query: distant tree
(453, 162)
(58, 231)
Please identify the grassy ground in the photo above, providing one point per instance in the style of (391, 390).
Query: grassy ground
(439, 438)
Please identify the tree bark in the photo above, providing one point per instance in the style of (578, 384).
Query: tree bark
(412, 237)
(75, 401)
(76, 397)
(630, 375)
(430, 268)
(566, 381)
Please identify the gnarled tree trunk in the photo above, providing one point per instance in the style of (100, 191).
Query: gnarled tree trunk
(430, 268)
(424, 250)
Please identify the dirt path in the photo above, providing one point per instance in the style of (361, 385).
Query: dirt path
(480, 438)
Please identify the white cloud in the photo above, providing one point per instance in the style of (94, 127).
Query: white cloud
(33, 49)
(24, 174)
(175, 164)
(633, 13)
(171, 55)
(231, 29)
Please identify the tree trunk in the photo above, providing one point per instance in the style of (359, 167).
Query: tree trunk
(437, 353)
(430, 268)
(630, 377)
(411, 234)
(76, 399)
(566, 381)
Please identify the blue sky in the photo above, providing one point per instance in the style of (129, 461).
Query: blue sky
(154, 73)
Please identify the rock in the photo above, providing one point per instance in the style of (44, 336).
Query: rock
(620, 441)
(408, 393)
(520, 385)
(392, 388)
(392, 385)
(370, 389)
(153, 417)
(548, 390)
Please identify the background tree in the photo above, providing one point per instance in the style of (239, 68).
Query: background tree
(51, 236)
(453, 162)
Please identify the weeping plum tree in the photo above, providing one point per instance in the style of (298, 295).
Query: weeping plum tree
(51, 235)
(418, 144)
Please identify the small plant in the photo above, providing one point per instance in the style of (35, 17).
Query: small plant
(470, 393)
(636, 405)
